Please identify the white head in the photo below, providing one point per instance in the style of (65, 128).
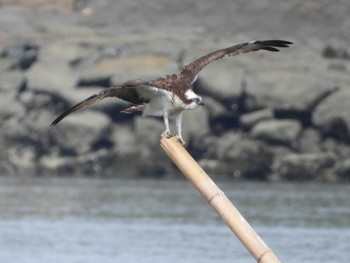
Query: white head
(194, 99)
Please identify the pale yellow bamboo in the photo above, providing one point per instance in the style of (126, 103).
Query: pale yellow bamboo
(218, 200)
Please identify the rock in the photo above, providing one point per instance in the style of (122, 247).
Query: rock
(332, 117)
(195, 124)
(248, 120)
(221, 82)
(283, 132)
(308, 166)
(215, 108)
(23, 55)
(96, 53)
(125, 142)
(101, 81)
(342, 150)
(151, 160)
(100, 163)
(238, 157)
(342, 169)
(19, 158)
(221, 119)
(83, 132)
(309, 141)
(147, 66)
(62, 5)
(55, 57)
(291, 94)
(12, 82)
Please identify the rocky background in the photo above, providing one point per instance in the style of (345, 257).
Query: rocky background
(267, 116)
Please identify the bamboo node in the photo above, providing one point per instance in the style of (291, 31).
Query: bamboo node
(262, 255)
(220, 193)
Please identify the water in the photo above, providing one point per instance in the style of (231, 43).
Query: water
(110, 220)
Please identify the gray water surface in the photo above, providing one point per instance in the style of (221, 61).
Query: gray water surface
(110, 220)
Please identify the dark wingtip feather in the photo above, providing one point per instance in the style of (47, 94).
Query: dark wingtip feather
(277, 43)
(273, 45)
(57, 120)
(271, 49)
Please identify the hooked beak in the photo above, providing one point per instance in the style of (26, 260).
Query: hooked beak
(200, 103)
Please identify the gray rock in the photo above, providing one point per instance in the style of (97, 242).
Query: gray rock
(332, 116)
(237, 156)
(195, 124)
(283, 132)
(18, 157)
(308, 166)
(125, 142)
(220, 117)
(248, 120)
(100, 163)
(300, 92)
(151, 160)
(342, 150)
(24, 55)
(12, 82)
(309, 141)
(55, 57)
(83, 132)
(222, 82)
(342, 169)
(214, 108)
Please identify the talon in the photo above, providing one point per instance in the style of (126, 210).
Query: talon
(180, 140)
(167, 134)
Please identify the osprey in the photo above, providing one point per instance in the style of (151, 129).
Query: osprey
(171, 95)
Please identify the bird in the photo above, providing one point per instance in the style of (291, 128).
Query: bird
(169, 96)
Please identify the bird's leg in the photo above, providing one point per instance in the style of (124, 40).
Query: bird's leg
(178, 122)
(166, 122)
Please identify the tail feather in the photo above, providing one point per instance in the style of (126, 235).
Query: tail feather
(134, 109)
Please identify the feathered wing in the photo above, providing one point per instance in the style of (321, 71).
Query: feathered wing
(134, 91)
(193, 68)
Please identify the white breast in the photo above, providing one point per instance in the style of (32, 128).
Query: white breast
(160, 100)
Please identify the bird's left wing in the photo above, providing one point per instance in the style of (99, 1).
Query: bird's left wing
(192, 69)
(134, 91)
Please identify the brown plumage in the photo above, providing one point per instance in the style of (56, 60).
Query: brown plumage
(170, 95)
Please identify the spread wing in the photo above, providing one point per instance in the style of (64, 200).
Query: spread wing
(134, 91)
(192, 69)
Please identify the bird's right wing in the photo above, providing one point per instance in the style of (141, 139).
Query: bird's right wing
(134, 91)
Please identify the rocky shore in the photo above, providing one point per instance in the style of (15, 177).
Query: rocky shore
(267, 116)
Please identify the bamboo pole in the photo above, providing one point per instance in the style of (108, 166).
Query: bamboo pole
(218, 200)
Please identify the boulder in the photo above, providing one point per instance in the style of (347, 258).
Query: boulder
(248, 120)
(307, 166)
(22, 54)
(332, 116)
(236, 156)
(220, 118)
(12, 82)
(100, 163)
(195, 124)
(222, 82)
(151, 160)
(18, 157)
(290, 93)
(309, 141)
(284, 132)
(342, 170)
(342, 150)
(125, 142)
(83, 132)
